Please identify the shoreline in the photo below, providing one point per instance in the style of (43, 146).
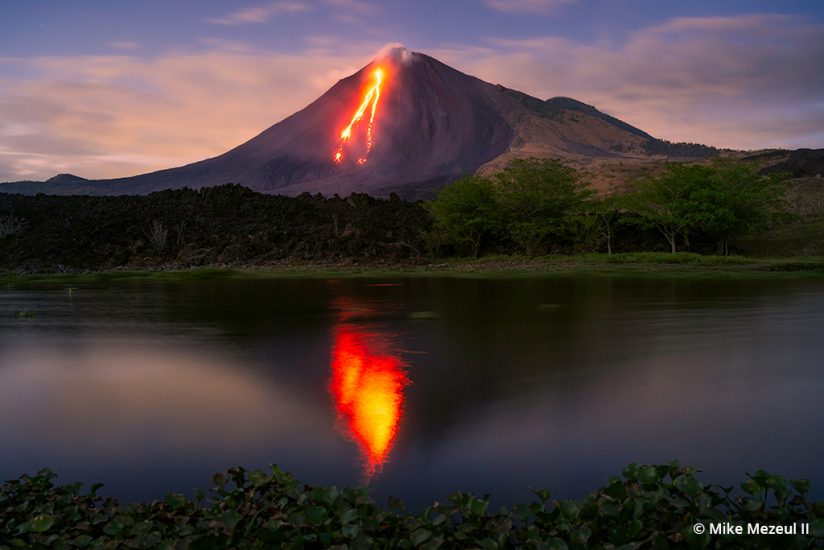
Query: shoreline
(635, 264)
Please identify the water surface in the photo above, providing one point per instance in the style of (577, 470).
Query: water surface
(418, 386)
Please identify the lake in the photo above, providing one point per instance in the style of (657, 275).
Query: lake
(419, 386)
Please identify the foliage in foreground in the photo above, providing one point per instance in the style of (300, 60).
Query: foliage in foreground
(649, 507)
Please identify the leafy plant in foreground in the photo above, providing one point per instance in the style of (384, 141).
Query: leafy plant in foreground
(648, 507)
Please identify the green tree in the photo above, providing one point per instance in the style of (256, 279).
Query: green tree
(664, 201)
(603, 215)
(733, 200)
(466, 213)
(538, 198)
(723, 201)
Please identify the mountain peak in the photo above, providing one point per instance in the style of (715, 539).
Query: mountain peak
(404, 123)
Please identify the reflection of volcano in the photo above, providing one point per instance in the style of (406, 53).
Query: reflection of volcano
(367, 385)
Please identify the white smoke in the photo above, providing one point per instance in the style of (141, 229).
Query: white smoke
(396, 52)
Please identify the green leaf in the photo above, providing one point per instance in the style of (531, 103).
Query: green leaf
(616, 490)
(688, 485)
(554, 543)
(569, 509)
(231, 518)
(419, 536)
(325, 495)
(316, 515)
(609, 509)
(488, 544)
(631, 472)
(438, 519)
(348, 516)
(647, 475)
(257, 478)
(542, 494)
(478, 506)
(350, 531)
(40, 523)
(82, 541)
(176, 501)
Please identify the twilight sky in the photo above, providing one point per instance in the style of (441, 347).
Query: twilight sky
(107, 89)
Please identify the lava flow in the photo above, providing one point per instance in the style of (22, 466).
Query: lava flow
(372, 97)
(367, 387)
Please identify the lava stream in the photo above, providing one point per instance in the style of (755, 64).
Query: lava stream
(372, 97)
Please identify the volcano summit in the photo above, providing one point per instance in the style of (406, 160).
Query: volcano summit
(404, 123)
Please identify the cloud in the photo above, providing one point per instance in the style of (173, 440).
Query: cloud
(118, 115)
(750, 81)
(261, 14)
(741, 82)
(124, 45)
(527, 6)
(355, 7)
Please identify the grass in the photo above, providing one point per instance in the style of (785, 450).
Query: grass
(637, 263)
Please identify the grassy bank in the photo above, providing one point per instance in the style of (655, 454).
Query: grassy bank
(647, 507)
(640, 263)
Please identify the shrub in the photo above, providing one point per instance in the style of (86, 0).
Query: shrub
(649, 507)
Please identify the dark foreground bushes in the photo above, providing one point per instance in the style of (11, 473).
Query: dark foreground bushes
(225, 225)
(649, 507)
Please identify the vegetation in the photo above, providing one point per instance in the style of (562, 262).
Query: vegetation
(649, 507)
(467, 212)
(533, 207)
(222, 225)
(538, 198)
(530, 204)
(721, 201)
(679, 150)
(536, 206)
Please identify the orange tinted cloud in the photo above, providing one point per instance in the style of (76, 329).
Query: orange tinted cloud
(116, 115)
(749, 81)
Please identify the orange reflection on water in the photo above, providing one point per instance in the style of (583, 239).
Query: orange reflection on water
(367, 385)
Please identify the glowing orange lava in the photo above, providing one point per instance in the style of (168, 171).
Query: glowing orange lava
(373, 95)
(368, 390)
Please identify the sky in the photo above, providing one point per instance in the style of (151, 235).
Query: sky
(109, 89)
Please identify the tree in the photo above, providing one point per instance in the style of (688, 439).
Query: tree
(606, 212)
(664, 201)
(537, 198)
(733, 200)
(467, 213)
(723, 201)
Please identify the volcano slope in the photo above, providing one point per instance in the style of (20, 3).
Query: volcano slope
(430, 125)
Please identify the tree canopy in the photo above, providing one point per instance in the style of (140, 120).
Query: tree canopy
(529, 204)
(722, 200)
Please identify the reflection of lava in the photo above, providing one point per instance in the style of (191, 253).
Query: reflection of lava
(367, 386)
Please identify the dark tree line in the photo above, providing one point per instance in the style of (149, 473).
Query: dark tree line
(223, 225)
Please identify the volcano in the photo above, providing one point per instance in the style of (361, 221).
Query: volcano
(424, 125)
